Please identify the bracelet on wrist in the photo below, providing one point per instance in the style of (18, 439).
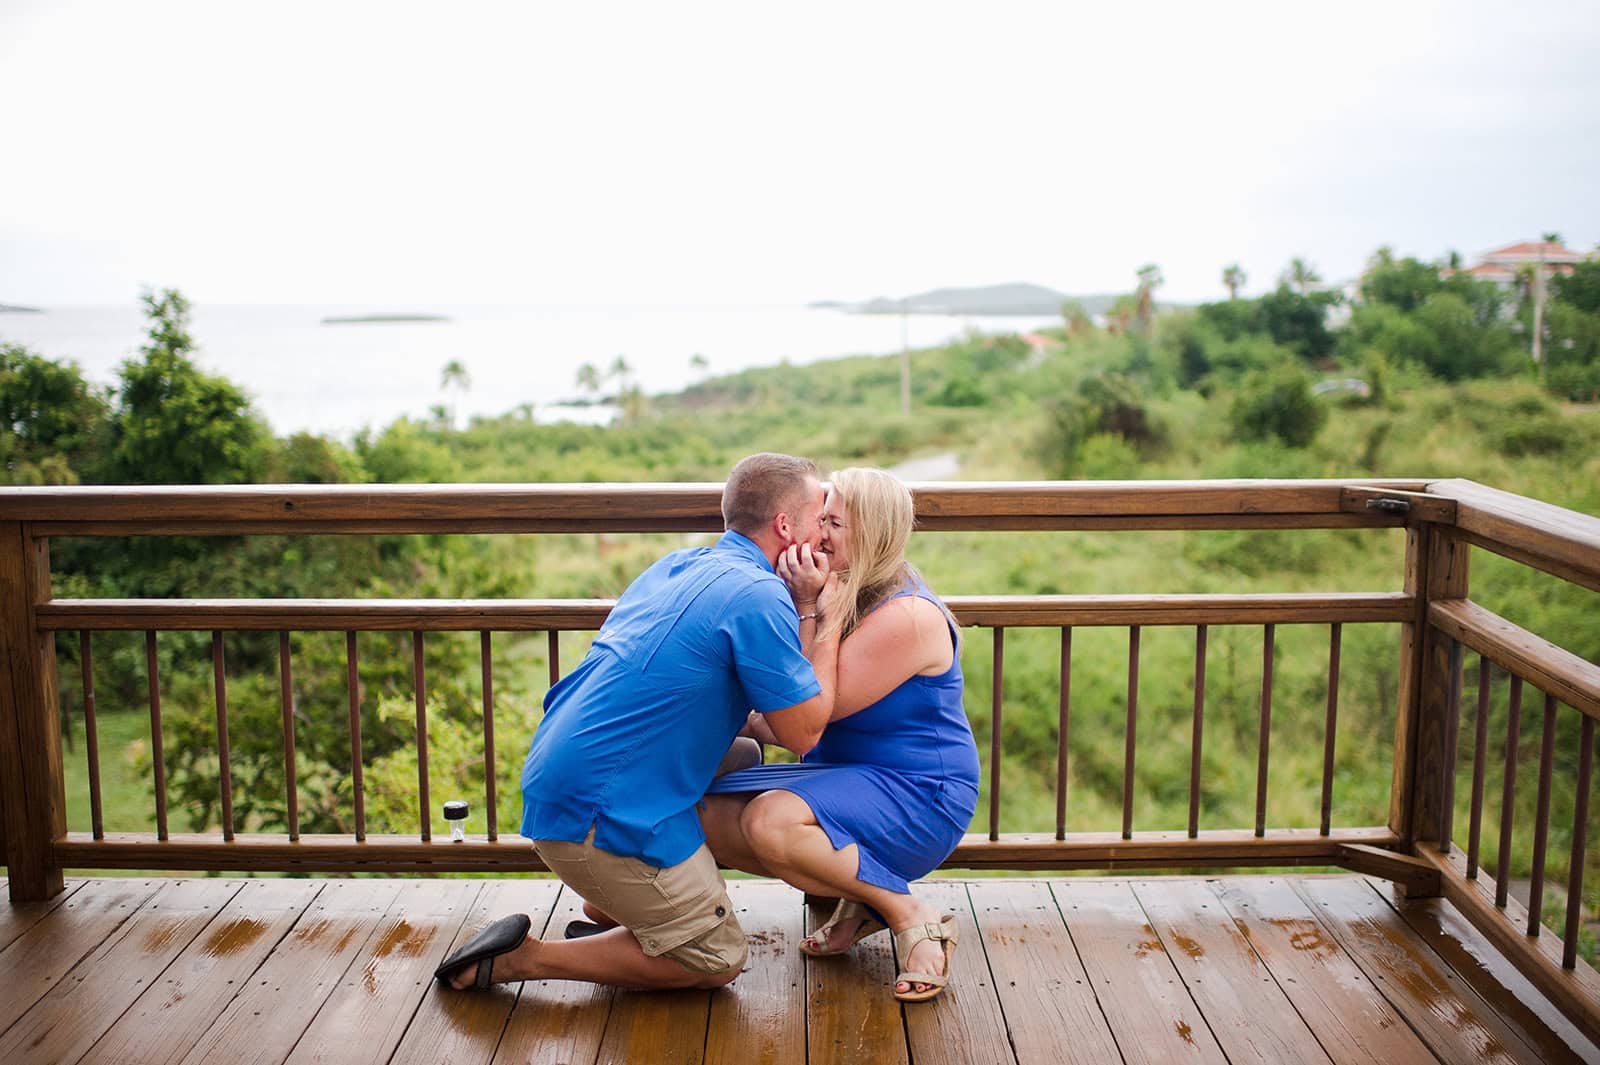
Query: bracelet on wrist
(810, 617)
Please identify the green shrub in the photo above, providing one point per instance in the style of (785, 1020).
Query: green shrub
(1278, 404)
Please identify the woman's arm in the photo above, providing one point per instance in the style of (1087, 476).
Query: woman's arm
(901, 639)
(756, 727)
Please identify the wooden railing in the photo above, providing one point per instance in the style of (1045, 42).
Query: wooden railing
(1443, 520)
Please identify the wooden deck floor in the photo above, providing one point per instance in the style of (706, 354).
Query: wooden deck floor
(1159, 969)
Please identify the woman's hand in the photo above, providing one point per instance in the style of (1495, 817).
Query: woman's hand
(830, 599)
(805, 572)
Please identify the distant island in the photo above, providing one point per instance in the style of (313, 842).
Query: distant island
(1018, 298)
(349, 319)
(8, 308)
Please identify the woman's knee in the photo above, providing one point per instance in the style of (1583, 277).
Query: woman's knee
(770, 817)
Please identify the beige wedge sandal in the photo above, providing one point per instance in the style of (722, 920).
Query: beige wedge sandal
(906, 940)
(844, 911)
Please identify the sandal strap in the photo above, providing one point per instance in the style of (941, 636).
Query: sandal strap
(843, 910)
(922, 978)
(941, 931)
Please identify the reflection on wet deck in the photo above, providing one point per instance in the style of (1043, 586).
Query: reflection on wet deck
(1160, 969)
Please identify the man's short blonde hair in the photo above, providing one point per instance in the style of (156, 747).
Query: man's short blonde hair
(763, 486)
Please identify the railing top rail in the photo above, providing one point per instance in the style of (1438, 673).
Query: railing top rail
(624, 507)
(1561, 541)
(467, 615)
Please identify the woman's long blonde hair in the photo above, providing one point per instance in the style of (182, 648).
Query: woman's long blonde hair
(879, 510)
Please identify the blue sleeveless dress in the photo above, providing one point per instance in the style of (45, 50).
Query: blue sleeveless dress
(899, 778)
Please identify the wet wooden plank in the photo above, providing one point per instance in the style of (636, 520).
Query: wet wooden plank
(17, 917)
(1437, 1003)
(365, 1016)
(262, 1023)
(965, 1023)
(1144, 1001)
(661, 1027)
(462, 1027)
(1474, 959)
(174, 1012)
(1351, 1019)
(1051, 1012)
(556, 1021)
(851, 1013)
(65, 1023)
(757, 1018)
(1248, 1014)
(38, 959)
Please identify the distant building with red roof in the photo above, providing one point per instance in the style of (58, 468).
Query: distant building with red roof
(1501, 264)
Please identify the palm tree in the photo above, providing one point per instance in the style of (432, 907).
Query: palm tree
(454, 375)
(699, 363)
(620, 370)
(1301, 275)
(1077, 319)
(1144, 303)
(589, 378)
(1233, 278)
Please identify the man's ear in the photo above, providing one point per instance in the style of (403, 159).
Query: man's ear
(783, 528)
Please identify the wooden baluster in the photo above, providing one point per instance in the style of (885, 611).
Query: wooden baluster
(419, 683)
(1580, 830)
(91, 734)
(158, 763)
(353, 684)
(1061, 732)
(487, 662)
(1199, 729)
(1508, 792)
(224, 762)
(995, 710)
(1264, 729)
(1480, 740)
(1452, 729)
(1130, 732)
(554, 654)
(1330, 725)
(1541, 819)
(291, 789)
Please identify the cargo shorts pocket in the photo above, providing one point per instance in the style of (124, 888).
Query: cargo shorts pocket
(697, 927)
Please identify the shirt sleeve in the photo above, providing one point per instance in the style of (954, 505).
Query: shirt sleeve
(765, 635)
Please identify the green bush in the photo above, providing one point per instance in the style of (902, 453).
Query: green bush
(1278, 404)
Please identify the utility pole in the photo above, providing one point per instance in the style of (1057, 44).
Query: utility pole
(1538, 313)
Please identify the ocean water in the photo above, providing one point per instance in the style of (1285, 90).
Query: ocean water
(302, 374)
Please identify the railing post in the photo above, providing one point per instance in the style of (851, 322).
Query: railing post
(32, 790)
(1436, 568)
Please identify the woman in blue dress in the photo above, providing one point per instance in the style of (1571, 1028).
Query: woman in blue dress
(892, 785)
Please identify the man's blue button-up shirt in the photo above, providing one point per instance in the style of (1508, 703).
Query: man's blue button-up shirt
(632, 737)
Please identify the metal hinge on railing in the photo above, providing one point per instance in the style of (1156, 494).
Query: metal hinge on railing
(1411, 506)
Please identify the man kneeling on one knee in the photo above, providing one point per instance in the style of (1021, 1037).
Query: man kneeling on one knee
(633, 736)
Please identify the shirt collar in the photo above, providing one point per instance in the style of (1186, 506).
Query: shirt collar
(740, 544)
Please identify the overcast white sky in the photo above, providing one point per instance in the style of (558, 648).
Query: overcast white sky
(684, 152)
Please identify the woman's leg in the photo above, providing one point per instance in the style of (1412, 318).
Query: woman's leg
(782, 831)
(720, 819)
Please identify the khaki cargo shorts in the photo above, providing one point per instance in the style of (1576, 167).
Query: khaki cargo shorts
(681, 912)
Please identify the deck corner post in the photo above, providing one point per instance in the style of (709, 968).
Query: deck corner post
(32, 789)
(1436, 568)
